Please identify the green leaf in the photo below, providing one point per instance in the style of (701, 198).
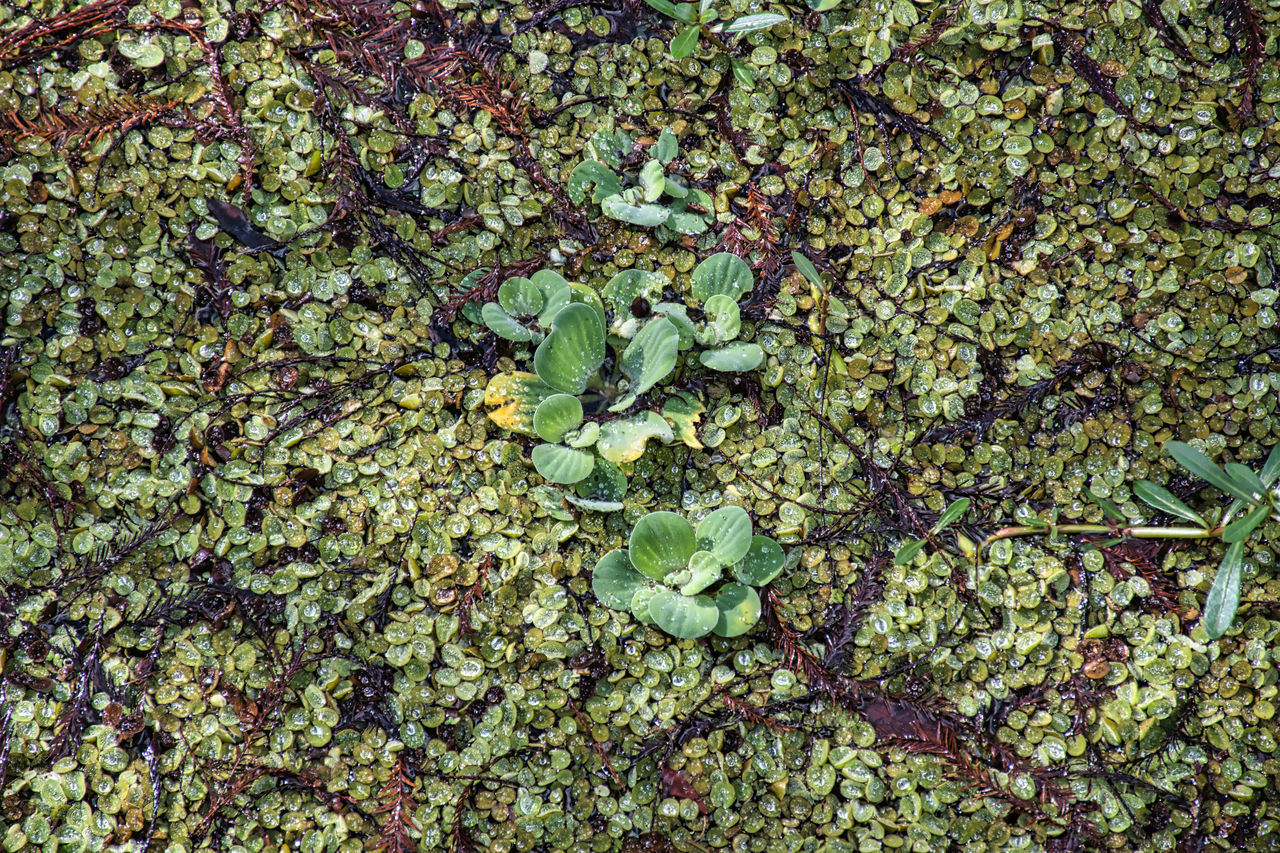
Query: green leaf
(518, 296)
(683, 616)
(615, 581)
(683, 44)
(721, 273)
(748, 23)
(556, 415)
(628, 206)
(687, 13)
(823, 5)
(624, 439)
(594, 505)
(739, 609)
(661, 543)
(704, 570)
(726, 534)
(666, 148)
(555, 294)
(1165, 501)
(678, 315)
(1271, 468)
(1109, 509)
(628, 285)
(723, 317)
(764, 562)
(907, 551)
(1244, 477)
(807, 269)
(652, 180)
(573, 351)
(1201, 466)
(648, 359)
(1224, 595)
(503, 324)
(666, 7)
(745, 75)
(606, 483)
(737, 357)
(589, 173)
(951, 514)
(1239, 530)
(563, 465)
(682, 222)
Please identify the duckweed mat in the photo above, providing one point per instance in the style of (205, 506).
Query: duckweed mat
(278, 570)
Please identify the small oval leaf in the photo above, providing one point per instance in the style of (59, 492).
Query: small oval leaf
(661, 543)
(559, 464)
(764, 562)
(683, 616)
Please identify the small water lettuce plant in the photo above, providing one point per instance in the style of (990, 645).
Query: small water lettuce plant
(691, 581)
(1255, 499)
(650, 198)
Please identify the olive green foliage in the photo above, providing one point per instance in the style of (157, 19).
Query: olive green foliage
(671, 572)
(651, 198)
(272, 577)
(695, 16)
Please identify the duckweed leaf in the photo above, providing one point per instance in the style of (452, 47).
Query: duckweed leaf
(661, 543)
(762, 563)
(738, 608)
(683, 616)
(615, 581)
(563, 465)
(1224, 596)
(624, 439)
(726, 534)
(573, 351)
(737, 357)
(723, 273)
(556, 415)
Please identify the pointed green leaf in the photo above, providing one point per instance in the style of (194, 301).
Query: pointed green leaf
(687, 13)
(1165, 501)
(563, 465)
(615, 581)
(907, 551)
(666, 7)
(573, 351)
(1109, 509)
(1271, 468)
(739, 609)
(684, 43)
(624, 439)
(726, 534)
(951, 514)
(764, 562)
(503, 324)
(661, 543)
(650, 357)
(807, 269)
(1239, 530)
(1204, 468)
(745, 75)
(666, 148)
(722, 273)
(1245, 478)
(748, 23)
(683, 616)
(556, 415)
(737, 357)
(1224, 595)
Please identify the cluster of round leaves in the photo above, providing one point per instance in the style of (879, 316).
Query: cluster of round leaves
(574, 378)
(673, 575)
